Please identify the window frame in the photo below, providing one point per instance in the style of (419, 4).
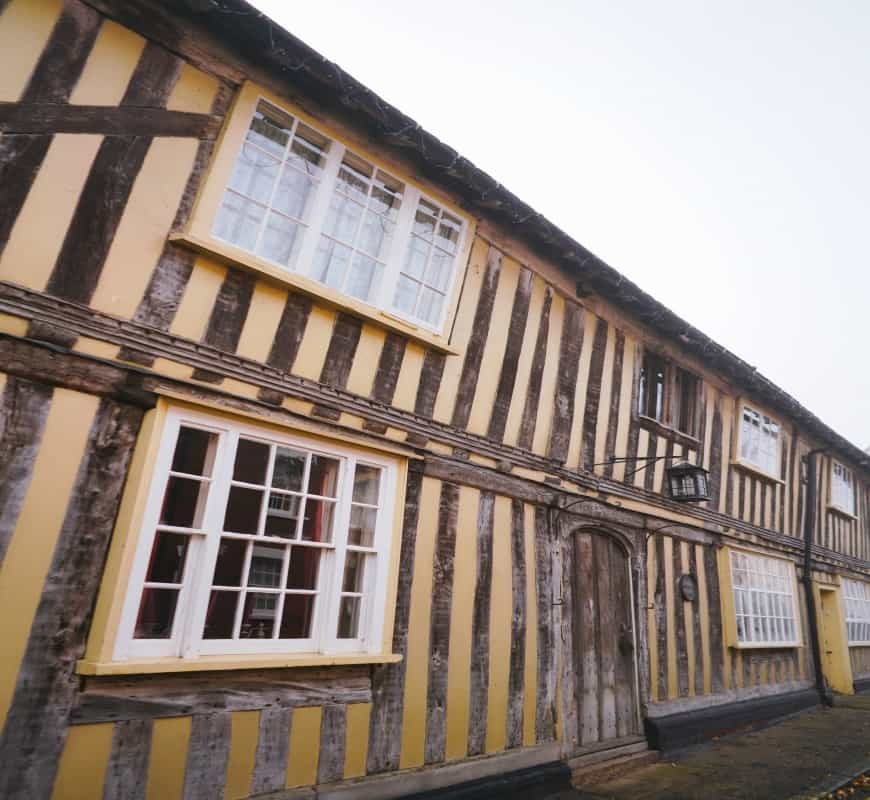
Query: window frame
(851, 483)
(673, 375)
(186, 644)
(198, 234)
(775, 475)
(729, 608)
(849, 603)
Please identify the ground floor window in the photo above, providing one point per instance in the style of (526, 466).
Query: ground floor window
(764, 600)
(256, 541)
(857, 597)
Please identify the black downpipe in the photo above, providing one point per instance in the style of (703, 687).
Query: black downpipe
(807, 578)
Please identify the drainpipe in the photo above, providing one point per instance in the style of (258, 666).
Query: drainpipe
(807, 578)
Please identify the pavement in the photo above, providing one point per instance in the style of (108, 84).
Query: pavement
(821, 753)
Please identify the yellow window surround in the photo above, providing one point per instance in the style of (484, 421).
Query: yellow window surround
(99, 657)
(198, 234)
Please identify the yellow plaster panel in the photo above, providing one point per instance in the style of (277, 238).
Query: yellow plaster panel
(172, 369)
(298, 406)
(168, 759)
(96, 347)
(351, 421)
(82, 768)
(32, 546)
(16, 326)
(548, 379)
(530, 678)
(304, 746)
(493, 352)
(524, 364)
(244, 732)
(141, 235)
(240, 388)
(357, 739)
(462, 326)
(417, 658)
(365, 360)
(405, 396)
(41, 226)
(199, 297)
(576, 438)
(109, 66)
(194, 91)
(315, 341)
(24, 30)
(261, 323)
(499, 627)
(459, 667)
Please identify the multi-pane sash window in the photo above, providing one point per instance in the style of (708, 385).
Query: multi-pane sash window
(257, 542)
(764, 600)
(842, 488)
(759, 441)
(312, 206)
(857, 597)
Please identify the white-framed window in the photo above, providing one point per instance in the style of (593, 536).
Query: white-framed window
(842, 488)
(857, 597)
(258, 542)
(310, 205)
(764, 600)
(759, 441)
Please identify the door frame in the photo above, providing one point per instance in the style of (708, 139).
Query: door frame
(630, 541)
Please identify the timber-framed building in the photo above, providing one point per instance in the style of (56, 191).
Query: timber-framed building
(330, 468)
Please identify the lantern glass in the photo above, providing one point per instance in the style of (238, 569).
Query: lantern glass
(687, 483)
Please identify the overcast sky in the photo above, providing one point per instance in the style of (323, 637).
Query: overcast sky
(717, 153)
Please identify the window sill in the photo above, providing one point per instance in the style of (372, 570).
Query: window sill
(208, 663)
(668, 432)
(757, 471)
(236, 257)
(766, 646)
(842, 512)
(858, 644)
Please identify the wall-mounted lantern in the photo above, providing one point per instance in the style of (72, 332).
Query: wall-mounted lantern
(687, 483)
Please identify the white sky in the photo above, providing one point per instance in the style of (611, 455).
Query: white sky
(714, 152)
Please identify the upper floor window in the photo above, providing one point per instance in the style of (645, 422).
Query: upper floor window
(764, 600)
(257, 542)
(857, 597)
(668, 394)
(311, 205)
(759, 441)
(842, 488)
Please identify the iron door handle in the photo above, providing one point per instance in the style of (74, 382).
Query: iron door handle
(626, 639)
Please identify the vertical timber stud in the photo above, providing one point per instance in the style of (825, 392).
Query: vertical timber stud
(593, 395)
(127, 771)
(333, 743)
(53, 79)
(615, 392)
(566, 381)
(207, 756)
(545, 703)
(270, 766)
(536, 375)
(288, 337)
(476, 344)
(516, 675)
(388, 680)
(339, 358)
(479, 688)
(36, 725)
(439, 637)
(23, 411)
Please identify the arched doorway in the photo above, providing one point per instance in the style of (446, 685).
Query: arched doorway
(605, 647)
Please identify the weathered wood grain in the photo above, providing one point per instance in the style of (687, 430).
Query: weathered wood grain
(649, 467)
(711, 577)
(389, 367)
(679, 622)
(566, 381)
(593, 395)
(513, 347)
(607, 623)
(615, 396)
(479, 685)
(208, 753)
(545, 690)
(127, 770)
(477, 341)
(273, 742)
(388, 680)
(536, 374)
(430, 382)
(516, 673)
(716, 457)
(661, 619)
(625, 656)
(633, 422)
(468, 474)
(53, 79)
(46, 686)
(46, 118)
(333, 743)
(227, 318)
(439, 626)
(23, 410)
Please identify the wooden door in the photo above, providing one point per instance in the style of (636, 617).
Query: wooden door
(835, 649)
(604, 641)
